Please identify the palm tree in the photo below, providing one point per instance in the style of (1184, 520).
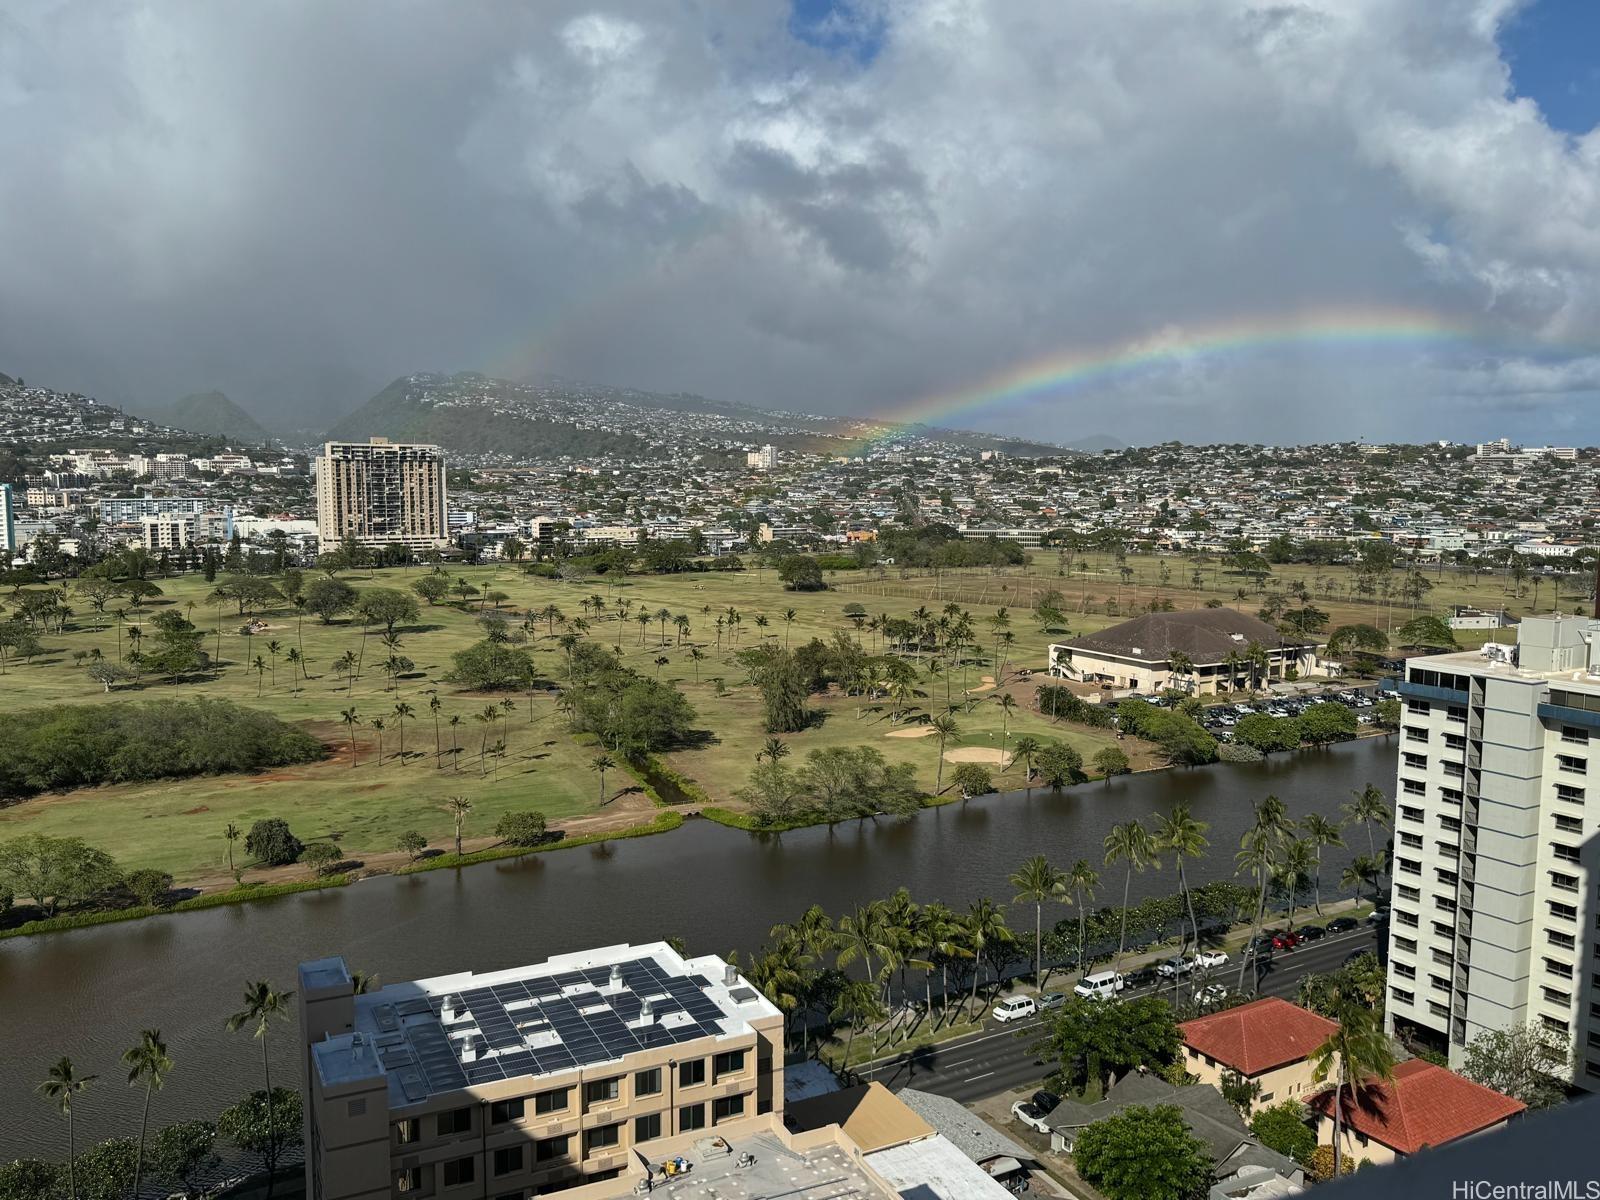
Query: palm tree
(1259, 849)
(1184, 837)
(351, 720)
(147, 1063)
(663, 616)
(455, 753)
(378, 728)
(458, 807)
(1083, 880)
(434, 705)
(346, 664)
(856, 936)
(274, 648)
(1007, 705)
(1294, 870)
(1368, 807)
(945, 728)
(857, 1003)
(1037, 881)
(601, 763)
(1131, 844)
(1026, 747)
(61, 1084)
(986, 932)
(231, 835)
(773, 749)
(261, 1005)
(697, 656)
(1180, 665)
(1321, 832)
(1364, 870)
(402, 714)
(682, 623)
(486, 718)
(295, 659)
(789, 615)
(1355, 1051)
(260, 667)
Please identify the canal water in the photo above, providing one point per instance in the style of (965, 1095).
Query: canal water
(88, 993)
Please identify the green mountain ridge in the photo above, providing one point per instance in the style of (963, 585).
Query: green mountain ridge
(209, 413)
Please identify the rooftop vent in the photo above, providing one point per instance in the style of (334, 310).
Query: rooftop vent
(730, 975)
(616, 976)
(647, 1012)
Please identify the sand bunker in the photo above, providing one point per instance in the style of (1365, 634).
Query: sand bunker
(915, 731)
(986, 686)
(978, 754)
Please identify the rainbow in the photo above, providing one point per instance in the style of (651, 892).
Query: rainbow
(1067, 371)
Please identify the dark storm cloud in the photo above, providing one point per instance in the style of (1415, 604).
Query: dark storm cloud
(299, 201)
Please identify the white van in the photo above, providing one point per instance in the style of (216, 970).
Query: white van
(1101, 986)
(1014, 1008)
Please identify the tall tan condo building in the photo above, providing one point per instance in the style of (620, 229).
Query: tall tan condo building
(381, 493)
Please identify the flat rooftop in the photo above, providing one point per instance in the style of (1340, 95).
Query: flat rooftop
(1473, 662)
(824, 1173)
(432, 1036)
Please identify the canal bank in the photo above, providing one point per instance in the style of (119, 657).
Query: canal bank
(87, 993)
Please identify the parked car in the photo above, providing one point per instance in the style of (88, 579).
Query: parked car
(1311, 933)
(1014, 1008)
(1142, 978)
(1030, 1115)
(1377, 916)
(1050, 1000)
(1285, 940)
(1211, 993)
(1176, 966)
(1207, 959)
(1343, 925)
(1261, 947)
(1100, 986)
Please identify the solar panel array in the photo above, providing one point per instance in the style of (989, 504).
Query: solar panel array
(569, 1030)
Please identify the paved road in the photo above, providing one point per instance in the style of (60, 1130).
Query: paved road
(1000, 1057)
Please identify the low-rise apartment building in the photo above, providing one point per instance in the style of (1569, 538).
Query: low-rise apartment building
(1495, 914)
(529, 1080)
(1269, 1042)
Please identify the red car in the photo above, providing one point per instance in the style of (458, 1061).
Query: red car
(1287, 940)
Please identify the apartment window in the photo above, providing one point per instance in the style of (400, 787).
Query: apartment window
(1443, 957)
(1403, 996)
(1457, 714)
(1411, 841)
(1449, 824)
(1561, 941)
(1574, 735)
(1437, 1009)
(1417, 708)
(1408, 945)
(457, 1120)
(1556, 1025)
(408, 1179)
(1413, 734)
(1572, 795)
(550, 1149)
(602, 1091)
(1563, 883)
(552, 1101)
(1409, 866)
(601, 1138)
(1413, 787)
(1450, 795)
(647, 1083)
(692, 1072)
(730, 1062)
(1454, 769)
(1554, 996)
(726, 1108)
(691, 1116)
(1568, 824)
(1565, 912)
(1417, 762)
(1440, 929)
(508, 1160)
(1454, 741)
(1407, 813)
(1556, 967)
(647, 1128)
(502, 1111)
(1405, 918)
(1448, 849)
(1572, 764)
(459, 1171)
(1405, 970)
(1407, 892)
(1438, 983)
(407, 1131)
(1448, 878)
(1564, 852)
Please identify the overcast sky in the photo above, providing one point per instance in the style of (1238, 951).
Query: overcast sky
(833, 207)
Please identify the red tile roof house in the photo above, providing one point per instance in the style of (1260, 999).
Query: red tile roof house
(1269, 1041)
(1424, 1105)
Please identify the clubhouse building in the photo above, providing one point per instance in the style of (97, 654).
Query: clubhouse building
(1215, 649)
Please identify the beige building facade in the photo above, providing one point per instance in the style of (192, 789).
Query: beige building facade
(535, 1079)
(382, 493)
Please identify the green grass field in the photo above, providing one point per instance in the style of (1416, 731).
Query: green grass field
(177, 826)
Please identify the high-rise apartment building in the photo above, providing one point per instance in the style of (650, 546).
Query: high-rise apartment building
(8, 520)
(533, 1079)
(381, 493)
(1494, 913)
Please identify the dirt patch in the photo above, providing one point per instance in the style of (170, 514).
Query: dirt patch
(199, 808)
(918, 731)
(987, 685)
(978, 754)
